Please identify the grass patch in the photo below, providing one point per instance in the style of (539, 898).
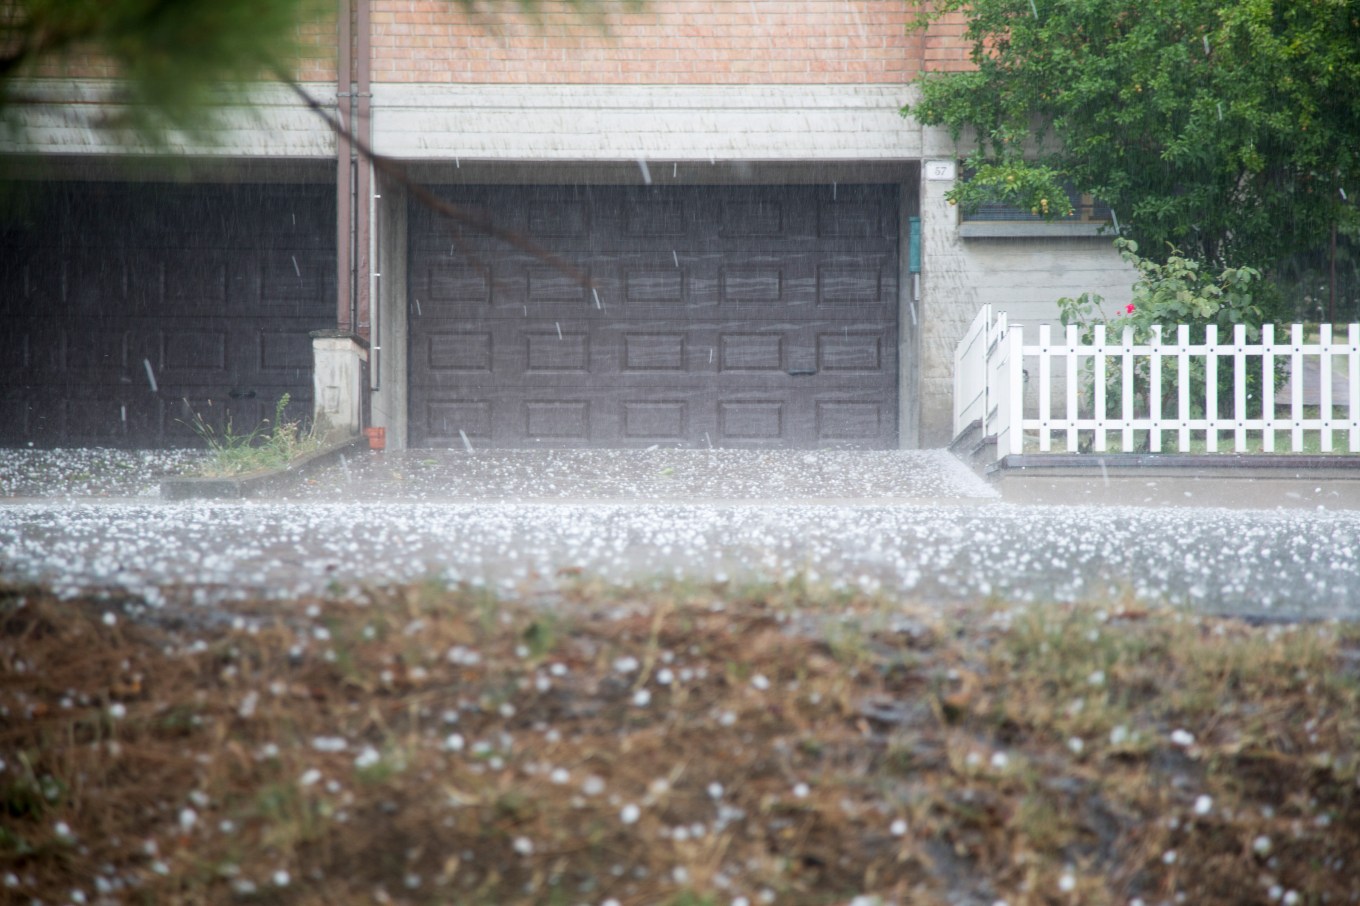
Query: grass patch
(674, 744)
(274, 444)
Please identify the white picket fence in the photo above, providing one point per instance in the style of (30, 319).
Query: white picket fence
(1026, 396)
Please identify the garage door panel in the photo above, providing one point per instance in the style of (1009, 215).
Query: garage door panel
(94, 353)
(512, 351)
(600, 217)
(100, 421)
(42, 344)
(194, 352)
(849, 420)
(759, 420)
(652, 351)
(136, 296)
(441, 420)
(557, 420)
(550, 353)
(764, 215)
(281, 354)
(93, 284)
(560, 218)
(737, 316)
(754, 282)
(849, 284)
(844, 351)
(861, 219)
(745, 351)
(664, 415)
(290, 281)
(708, 241)
(192, 280)
(654, 420)
(451, 350)
(653, 283)
(452, 288)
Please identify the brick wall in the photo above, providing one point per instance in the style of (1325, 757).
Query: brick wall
(693, 42)
(316, 58)
(946, 48)
(668, 42)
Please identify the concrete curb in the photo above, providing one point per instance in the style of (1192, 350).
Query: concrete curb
(1258, 480)
(1182, 465)
(254, 484)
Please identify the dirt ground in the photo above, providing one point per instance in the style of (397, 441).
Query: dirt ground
(673, 743)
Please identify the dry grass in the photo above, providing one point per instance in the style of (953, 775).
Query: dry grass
(674, 745)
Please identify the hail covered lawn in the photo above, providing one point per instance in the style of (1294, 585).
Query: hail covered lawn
(90, 472)
(1282, 562)
(672, 743)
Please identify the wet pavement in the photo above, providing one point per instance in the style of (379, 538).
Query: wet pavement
(914, 524)
(655, 475)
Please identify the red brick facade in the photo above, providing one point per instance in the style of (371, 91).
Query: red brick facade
(667, 42)
(683, 42)
(946, 49)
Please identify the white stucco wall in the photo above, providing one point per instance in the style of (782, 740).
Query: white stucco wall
(1023, 274)
(624, 122)
(70, 117)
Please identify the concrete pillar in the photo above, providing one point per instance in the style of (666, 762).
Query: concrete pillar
(908, 325)
(949, 299)
(338, 359)
(388, 362)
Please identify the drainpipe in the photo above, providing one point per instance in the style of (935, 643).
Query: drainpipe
(344, 198)
(363, 194)
(338, 355)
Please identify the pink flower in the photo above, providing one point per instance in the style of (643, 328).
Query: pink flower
(1129, 310)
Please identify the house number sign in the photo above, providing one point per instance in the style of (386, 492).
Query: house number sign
(940, 169)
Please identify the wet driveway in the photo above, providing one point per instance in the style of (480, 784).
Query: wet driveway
(917, 525)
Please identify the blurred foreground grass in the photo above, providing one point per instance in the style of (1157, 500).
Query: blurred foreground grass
(673, 744)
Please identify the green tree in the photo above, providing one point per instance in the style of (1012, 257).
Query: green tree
(169, 55)
(1229, 129)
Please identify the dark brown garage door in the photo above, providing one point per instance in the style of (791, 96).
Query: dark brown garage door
(127, 308)
(732, 316)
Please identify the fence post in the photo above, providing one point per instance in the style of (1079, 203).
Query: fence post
(1073, 379)
(1126, 391)
(1183, 385)
(1211, 388)
(1325, 376)
(1100, 387)
(1045, 390)
(1240, 388)
(1015, 380)
(1155, 392)
(1268, 387)
(1353, 378)
(1296, 387)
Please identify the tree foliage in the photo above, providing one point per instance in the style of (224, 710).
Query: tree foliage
(168, 55)
(1178, 291)
(1227, 128)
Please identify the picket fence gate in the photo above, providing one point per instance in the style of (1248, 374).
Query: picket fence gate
(1148, 387)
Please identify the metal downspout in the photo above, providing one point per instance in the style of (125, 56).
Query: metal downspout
(363, 194)
(366, 230)
(344, 198)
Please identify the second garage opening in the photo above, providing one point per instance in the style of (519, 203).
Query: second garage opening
(724, 316)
